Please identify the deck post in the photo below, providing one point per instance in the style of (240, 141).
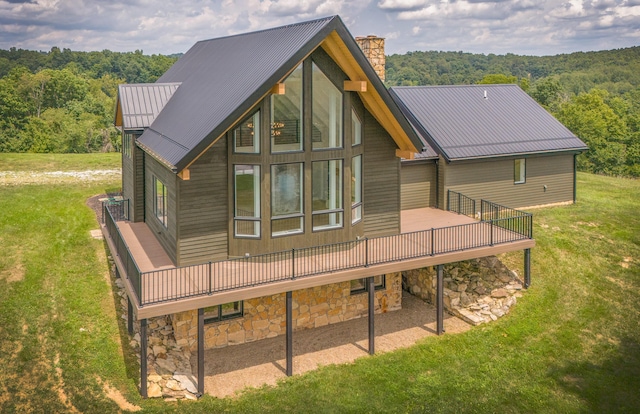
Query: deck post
(527, 268)
(440, 301)
(289, 334)
(371, 291)
(200, 352)
(129, 316)
(143, 358)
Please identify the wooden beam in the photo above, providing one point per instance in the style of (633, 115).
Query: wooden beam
(185, 174)
(407, 155)
(278, 89)
(355, 86)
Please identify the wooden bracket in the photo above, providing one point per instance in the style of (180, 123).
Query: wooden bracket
(278, 89)
(185, 174)
(407, 155)
(355, 86)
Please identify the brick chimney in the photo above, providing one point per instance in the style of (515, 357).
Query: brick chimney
(373, 48)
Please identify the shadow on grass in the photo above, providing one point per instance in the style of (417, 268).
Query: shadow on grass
(612, 386)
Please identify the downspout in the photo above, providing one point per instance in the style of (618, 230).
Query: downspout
(437, 183)
(575, 187)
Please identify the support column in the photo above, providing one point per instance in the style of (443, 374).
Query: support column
(143, 358)
(371, 291)
(289, 334)
(129, 316)
(527, 268)
(200, 352)
(440, 301)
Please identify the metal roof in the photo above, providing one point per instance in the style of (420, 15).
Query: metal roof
(141, 103)
(477, 121)
(222, 79)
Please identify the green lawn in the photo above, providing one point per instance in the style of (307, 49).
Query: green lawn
(571, 344)
(59, 162)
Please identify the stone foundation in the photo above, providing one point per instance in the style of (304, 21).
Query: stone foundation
(264, 317)
(477, 291)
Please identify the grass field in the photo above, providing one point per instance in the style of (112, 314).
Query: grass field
(570, 345)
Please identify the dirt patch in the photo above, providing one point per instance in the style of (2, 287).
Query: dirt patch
(16, 272)
(60, 387)
(8, 178)
(115, 395)
(230, 370)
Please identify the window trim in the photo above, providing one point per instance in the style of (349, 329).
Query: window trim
(220, 317)
(339, 211)
(273, 122)
(299, 214)
(339, 113)
(356, 117)
(257, 203)
(160, 215)
(522, 177)
(254, 119)
(381, 286)
(357, 205)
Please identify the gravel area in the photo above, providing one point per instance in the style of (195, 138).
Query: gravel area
(55, 177)
(231, 369)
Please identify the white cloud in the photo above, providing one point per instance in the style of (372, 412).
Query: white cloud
(498, 26)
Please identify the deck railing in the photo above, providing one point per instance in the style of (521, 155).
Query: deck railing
(111, 213)
(205, 279)
(460, 203)
(495, 212)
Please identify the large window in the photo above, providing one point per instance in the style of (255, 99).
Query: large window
(286, 115)
(246, 137)
(286, 199)
(327, 112)
(247, 200)
(221, 312)
(519, 174)
(360, 285)
(356, 189)
(160, 205)
(356, 129)
(327, 194)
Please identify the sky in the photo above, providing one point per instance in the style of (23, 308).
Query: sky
(523, 27)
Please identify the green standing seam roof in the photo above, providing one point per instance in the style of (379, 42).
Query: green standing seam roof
(481, 121)
(221, 79)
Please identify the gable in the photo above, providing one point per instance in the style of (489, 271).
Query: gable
(475, 121)
(223, 79)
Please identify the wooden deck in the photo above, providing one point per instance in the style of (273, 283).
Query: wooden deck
(167, 289)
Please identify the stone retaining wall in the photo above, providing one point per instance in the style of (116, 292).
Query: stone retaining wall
(478, 290)
(264, 317)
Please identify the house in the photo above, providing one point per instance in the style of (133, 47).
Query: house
(262, 192)
(493, 142)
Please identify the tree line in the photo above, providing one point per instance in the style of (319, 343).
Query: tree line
(64, 101)
(594, 94)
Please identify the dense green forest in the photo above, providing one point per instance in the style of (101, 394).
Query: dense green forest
(63, 101)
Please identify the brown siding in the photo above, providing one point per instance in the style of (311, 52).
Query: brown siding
(203, 209)
(493, 180)
(417, 185)
(133, 182)
(166, 235)
(381, 172)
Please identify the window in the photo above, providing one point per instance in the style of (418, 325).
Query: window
(221, 312)
(519, 174)
(356, 189)
(160, 206)
(246, 137)
(360, 285)
(327, 112)
(286, 115)
(286, 199)
(246, 200)
(327, 194)
(356, 129)
(126, 145)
